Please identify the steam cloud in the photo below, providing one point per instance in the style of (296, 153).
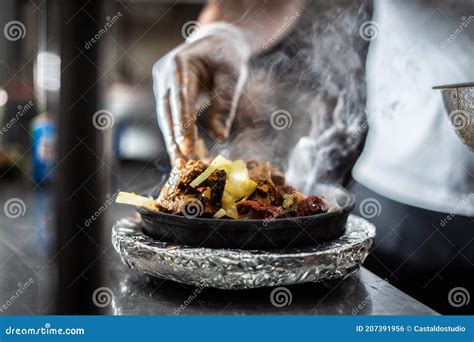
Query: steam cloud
(317, 75)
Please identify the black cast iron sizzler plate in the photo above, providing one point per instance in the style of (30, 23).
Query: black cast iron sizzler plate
(250, 234)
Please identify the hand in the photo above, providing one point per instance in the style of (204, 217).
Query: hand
(214, 61)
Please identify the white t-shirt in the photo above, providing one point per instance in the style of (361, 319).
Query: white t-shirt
(413, 154)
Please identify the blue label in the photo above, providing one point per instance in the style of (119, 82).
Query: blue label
(237, 328)
(43, 149)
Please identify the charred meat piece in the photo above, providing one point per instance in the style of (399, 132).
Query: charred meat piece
(291, 197)
(213, 191)
(311, 205)
(254, 210)
(177, 191)
(267, 192)
(278, 178)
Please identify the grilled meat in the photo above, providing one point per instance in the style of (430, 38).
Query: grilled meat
(267, 193)
(177, 192)
(255, 210)
(271, 199)
(311, 205)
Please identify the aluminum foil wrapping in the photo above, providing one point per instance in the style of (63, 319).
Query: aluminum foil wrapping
(241, 269)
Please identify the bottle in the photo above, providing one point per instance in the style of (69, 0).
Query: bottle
(43, 131)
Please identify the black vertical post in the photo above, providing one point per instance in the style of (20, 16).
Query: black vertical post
(79, 192)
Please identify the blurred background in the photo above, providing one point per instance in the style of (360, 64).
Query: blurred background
(111, 47)
(138, 33)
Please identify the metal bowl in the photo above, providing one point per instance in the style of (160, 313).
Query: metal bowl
(459, 103)
(252, 234)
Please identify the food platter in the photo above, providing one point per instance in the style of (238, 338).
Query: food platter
(241, 205)
(243, 269)
(281, 233)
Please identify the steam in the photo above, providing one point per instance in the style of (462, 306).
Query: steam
(317, 76)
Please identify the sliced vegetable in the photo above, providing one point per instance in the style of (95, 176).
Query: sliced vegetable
(238, 184)
(131, 198)
(220, 213)
(228, 204)
(213, 166)
(288, 201)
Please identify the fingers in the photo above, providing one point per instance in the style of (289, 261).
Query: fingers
(163, 110)
(179, 78)
(225, 97)
(176, 85)
(184, 90)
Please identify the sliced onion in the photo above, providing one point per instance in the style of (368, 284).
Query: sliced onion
(220, 213)
(213, 166)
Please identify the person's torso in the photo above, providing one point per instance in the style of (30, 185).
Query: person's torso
(412, 153)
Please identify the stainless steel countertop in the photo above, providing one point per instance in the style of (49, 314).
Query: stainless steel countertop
(27, 252)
